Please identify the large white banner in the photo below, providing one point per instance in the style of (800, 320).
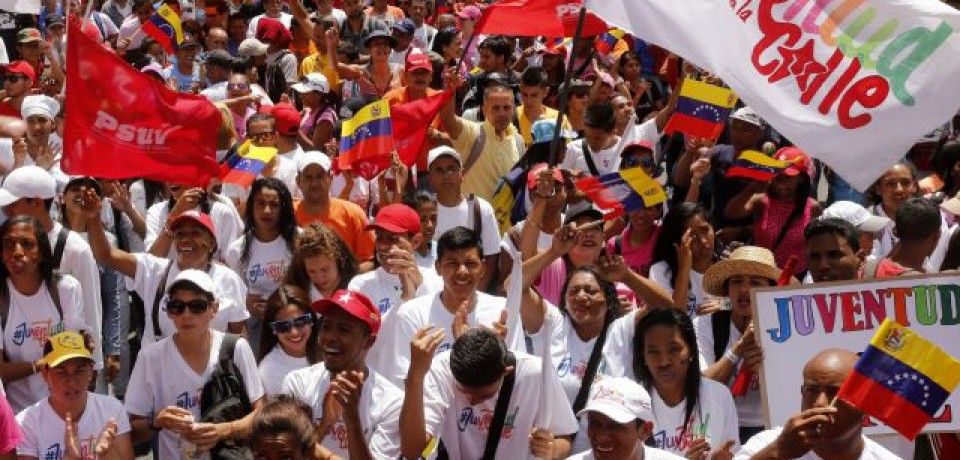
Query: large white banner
(852, 82)
(795, 323)
(21, 6)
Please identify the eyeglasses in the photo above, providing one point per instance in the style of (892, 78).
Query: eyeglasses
(177, 307)
(446, 171)
(15, 78)
(260, 137)
(634, 161)
(237, 86)
(285, 326)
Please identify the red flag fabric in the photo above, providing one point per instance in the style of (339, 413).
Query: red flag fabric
(410, 124)
(121, 123)
(532, 18)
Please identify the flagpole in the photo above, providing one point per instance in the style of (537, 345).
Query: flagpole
(565, 88)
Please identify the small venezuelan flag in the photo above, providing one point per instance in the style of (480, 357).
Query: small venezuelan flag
(366, 140)
(901, 379)
(702, 110)
(606, 41)
(164, 27)
(755, 165)
(621, 191)
(244, 168)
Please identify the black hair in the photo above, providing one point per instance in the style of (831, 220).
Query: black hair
(674, 318)
(600, 116)
(443, 39)
(457, 239)
(285, 414)
(608, 288)
(916, 219)
(153, 191)
(872, 193)
(943, 162)
(498, 45)
(419, 198)
(833, 226)
(534, 76)
(46, 268)
(287, 220)
(260, 116)
(672, 227)
(800, 197)
(478, 358)
(241, 64)
(284, 296)
(83, 181)
(137, 4)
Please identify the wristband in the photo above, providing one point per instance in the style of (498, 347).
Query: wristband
(34, 365)
(732, 357)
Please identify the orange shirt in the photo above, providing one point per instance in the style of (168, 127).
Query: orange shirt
(401, 96)
(347, 220)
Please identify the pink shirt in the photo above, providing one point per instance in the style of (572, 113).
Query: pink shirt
(10, 435)
(639, 258)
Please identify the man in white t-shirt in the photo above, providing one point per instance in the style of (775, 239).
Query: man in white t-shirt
(597, 153)
(424, 33)
(823, 429)
(40, 145)
(101, 427)
(398, 278)
(454, 397)
(454, 208)
(457, 305)
(619, 419)
(349, 400)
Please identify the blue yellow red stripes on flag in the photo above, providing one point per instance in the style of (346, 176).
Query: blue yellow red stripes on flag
(606, 41)
(755, 165)
(702, 110)
(244, 168)
(627, 190)
(913, 350)
(164, 27)
(367, 134)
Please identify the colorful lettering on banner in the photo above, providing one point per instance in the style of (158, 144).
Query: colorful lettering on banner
(795, 323)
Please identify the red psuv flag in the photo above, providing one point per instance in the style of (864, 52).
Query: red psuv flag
(410, 124)
(121, 123)
(531, 18)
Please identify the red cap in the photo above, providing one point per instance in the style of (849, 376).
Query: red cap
(195, 216)
(643, 144)
(288, 119)
(418, 61)
(535, 171)
(354, 303)
(22, 67)
(799, 161)
(396, 218)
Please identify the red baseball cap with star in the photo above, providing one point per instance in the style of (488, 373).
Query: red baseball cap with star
(356, 304)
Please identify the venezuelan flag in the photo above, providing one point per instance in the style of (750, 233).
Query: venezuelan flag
(367, 137)
(901, 379)
(702, 110)
(244, 168)
(625, 190)
(755, 165)
(164, 27)
(606, 41)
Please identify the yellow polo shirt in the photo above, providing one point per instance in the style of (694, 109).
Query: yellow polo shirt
(499, 154)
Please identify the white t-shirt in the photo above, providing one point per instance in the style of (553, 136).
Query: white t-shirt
(285, 18)
(266, 266)
(606, 160)
(231, 294)
(649, 453)
(638, 131)
(31, 321)
(79, 263)
(618, 349)
(380, 404)
(226, 221)
(163, 379)
(749, 406)
(385, 289)
(44, 430)
(714, 417)
(463, 427)
(55, 143)
(274, 369)
(390, 355)
(362, 194)
(462, 215)
(871, 450)
(660, 273)
(423, 37)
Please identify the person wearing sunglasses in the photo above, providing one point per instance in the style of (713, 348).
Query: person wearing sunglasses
(18, 78)
(241, 105)
(289, 342)
(170, 375)
(348, 396)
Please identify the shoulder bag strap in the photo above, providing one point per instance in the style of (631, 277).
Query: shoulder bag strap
(475, 208)
(475, 150)
(588, 157)
(59, 246)
(161, 288)
(591, 373)
(500, 412)
(618, 245)
(720, 322)
(54, 292)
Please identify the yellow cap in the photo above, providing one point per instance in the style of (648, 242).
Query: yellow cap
(63, 346)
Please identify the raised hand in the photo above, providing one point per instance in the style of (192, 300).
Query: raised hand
(422, 348)
(460, 324)
(106, 438)
(347, 388)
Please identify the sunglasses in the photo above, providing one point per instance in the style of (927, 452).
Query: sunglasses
(634, 161)
(285, 326)
(260, 137)
(237, 86)
(177, 307)
(15, 78)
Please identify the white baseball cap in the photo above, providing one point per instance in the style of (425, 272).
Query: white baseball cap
(619, 398)
(857, 215)
(27, 182)
(442, 151)
(314, 157)
(313, 82)
(747, 115)
(252, 47)
(195, 277)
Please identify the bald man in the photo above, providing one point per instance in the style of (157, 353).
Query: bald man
(820, 431)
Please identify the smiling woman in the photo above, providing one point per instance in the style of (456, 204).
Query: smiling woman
(293, 326)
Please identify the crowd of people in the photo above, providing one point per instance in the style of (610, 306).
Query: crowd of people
(320, 315)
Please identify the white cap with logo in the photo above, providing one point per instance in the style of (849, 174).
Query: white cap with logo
(619, 398)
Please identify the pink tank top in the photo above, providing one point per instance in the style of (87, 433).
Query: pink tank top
(765, 231)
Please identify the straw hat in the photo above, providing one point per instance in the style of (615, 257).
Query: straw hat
(745, 260)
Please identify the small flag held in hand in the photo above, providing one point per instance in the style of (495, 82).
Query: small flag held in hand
(754, 165)
(702, 110)
(366, 140)
(624, 190)
(249, 162)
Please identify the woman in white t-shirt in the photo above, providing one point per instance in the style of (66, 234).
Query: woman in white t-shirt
(73, 422)
(289, 342)
(684, 251)
(323, 263)
(692, 416)
(262, 254)
(35, 310)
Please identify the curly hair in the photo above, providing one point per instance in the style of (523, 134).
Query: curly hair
(320, 240)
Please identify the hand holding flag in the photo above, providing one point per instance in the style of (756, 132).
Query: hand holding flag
(366, 140)
(754, 165)
(249, 162)
(625, 190)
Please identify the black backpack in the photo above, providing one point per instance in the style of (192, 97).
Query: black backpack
(224, 399)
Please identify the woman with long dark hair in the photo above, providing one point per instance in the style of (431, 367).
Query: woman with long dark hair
(682, 254)
(289, 342)
(40, 303)
(693, 416)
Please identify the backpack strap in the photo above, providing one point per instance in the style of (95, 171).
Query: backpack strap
(54, 292)
(720, 322)
(618, 244)
(500, 412)
(59, 246)
(225, 358)
(161, 288)
(475, 150)
(475, 208)
(588, 157)
(593, 365)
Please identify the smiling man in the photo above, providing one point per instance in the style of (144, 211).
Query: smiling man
(358, 410)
